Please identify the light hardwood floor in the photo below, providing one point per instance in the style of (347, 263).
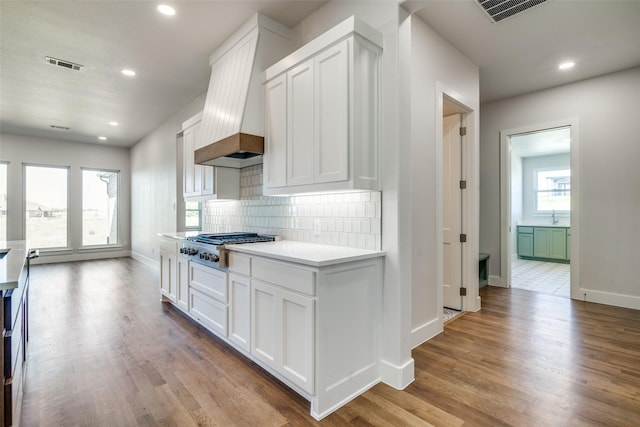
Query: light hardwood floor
(105, 352)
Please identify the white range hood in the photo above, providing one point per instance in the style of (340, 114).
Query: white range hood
(232, 130)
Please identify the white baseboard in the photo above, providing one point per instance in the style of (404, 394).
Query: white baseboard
(609, 298)
(496, 281)
(425, 332)
(396, 376)
(85, 256)
(145, 260)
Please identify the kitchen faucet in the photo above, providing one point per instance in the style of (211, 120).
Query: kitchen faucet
(554, 218)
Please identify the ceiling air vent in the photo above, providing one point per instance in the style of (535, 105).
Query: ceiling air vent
(502, 9)
(65, 64)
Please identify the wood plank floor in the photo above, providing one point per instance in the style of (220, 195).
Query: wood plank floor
(105, 352)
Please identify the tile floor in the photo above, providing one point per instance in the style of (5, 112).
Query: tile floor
(450, 314)
(547, 277)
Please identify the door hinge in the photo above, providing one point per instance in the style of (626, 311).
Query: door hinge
(463, 131)
(463, 238)
(463, 184)
(463, 292)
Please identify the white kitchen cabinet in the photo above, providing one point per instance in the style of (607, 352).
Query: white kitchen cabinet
(330, 124)
(182, 282)
(240, 311)
(202, 182)
(282, 332)
(168, 258)
(275, 170)
(208, 297)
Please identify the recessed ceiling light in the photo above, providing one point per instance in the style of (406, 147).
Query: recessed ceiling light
(113, 123)
(102, 138)
(128, 72)
(166, 10)
(566, 65)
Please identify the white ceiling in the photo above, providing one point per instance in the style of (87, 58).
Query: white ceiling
(521, 54)
(170, 54)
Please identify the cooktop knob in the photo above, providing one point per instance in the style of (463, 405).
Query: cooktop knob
(215, 258)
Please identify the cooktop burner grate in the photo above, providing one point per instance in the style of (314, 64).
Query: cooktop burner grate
(230, 238)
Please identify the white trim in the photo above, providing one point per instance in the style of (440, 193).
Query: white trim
(145, 260)
(505, 198)
(426, 331)
(496, 281)
(49, 259)
(609, 298)
(397, 376)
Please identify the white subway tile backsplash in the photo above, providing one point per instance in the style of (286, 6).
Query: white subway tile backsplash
(347, 219)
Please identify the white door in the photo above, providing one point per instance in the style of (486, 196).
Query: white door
(451, 212)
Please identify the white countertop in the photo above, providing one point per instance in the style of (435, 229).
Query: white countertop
(12, 264)
(312, 254)
(178, 235)
(540, 224)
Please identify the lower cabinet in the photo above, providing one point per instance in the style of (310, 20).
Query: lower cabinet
(544, 243)
(208, 297)
(182, 282)
(282, 325)
(240, 311)
(168, 259)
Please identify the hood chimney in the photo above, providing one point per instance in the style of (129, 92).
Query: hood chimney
(231, 133)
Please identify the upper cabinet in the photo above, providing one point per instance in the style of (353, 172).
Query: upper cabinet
(322, 114)
(202, 182)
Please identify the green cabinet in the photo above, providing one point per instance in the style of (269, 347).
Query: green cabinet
(544, 243)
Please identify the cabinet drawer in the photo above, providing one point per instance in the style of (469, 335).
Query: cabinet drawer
(209, 281)
(527, 230)
(209, 312)
(239, 263)
(285, 275)
(169, 246)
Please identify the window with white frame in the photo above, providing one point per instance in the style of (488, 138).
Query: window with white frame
(3, 201)
(192, 216)
(100, 207)
(553, 190)
(46, 206)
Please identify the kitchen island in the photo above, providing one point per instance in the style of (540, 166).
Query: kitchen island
(14, 286)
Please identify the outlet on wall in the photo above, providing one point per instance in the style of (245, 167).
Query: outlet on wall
(317, 227)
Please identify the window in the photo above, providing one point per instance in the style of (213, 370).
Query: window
(553, 190)
(3, 201)
(192, 216)
(99, 207)
(46, 206)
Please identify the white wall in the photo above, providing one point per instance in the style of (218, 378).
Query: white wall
(609, 201)
(18, 149)
(436, 66)
(155, 178)
(516, 198)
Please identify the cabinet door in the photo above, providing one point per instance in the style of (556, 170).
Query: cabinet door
(240, 311)
(207, 186)
(525, 244)
(300, 125)
(275, 150)
(297, 337)
(332, 114)
(541, 242)
(182, 282)
(192, 173)
(558, 243)
(167, 275)
(264, 321)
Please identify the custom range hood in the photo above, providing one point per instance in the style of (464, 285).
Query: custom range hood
(232, 132)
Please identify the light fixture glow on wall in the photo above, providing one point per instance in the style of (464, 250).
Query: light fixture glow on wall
(166, 10)
(102, 138)
(566, 65)
(128, 72)
(113, 123)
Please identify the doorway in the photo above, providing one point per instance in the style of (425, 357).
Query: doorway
(453, 131)
(539, 214)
